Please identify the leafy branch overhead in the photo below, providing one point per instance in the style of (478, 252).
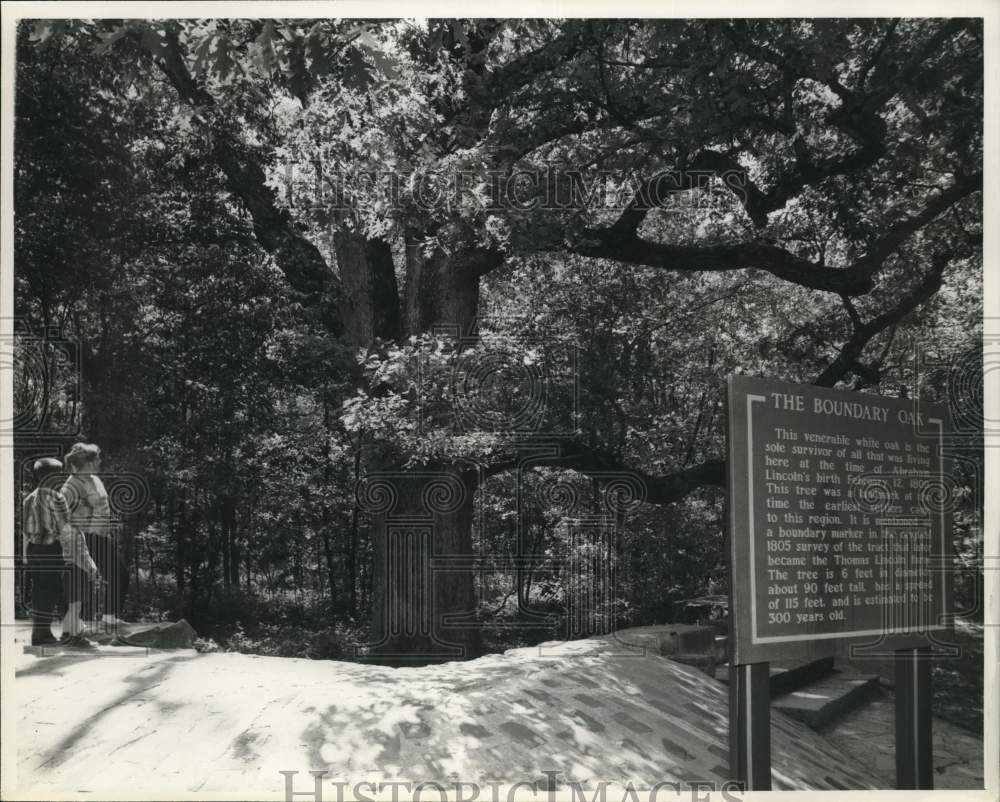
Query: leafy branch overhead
(812, 186)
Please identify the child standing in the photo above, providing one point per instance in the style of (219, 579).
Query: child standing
(56, 555)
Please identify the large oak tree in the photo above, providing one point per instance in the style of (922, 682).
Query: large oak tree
(392, 169)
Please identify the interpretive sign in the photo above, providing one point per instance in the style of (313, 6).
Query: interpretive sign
(839, 515)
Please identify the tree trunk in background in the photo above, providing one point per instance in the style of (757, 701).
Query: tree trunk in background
(331, 568)
(298, 544)
(327, 517)
(134, 544)
(180, 538)
(173, 515)
(423, 594)
(423, 599)
(320, 583)
(371, 296)
(231, 568)
(353, 543)
(152, 568)
(371, 309)
(249, 541)
(213, 522)
(442, 291)
(224, 545)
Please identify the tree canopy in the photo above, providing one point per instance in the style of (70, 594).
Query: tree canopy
(297, 253)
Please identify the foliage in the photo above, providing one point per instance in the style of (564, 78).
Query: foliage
(630, 210)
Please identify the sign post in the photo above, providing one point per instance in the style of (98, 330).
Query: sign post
(750, 725)
(914, 753)
(839, 531)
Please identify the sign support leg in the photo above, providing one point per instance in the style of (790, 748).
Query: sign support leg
(914, 752)
(750, 725)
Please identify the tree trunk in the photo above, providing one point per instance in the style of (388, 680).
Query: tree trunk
(423, 600)
(250, 541)
(231, 568)
(173, 516)
(224, 545)
(327, 518)
(423, 593)
(442, 290)
(235, 544)
(353, 542)
(214, 525)
(180, 538)
(331, 568)
(152, 568)
(298, 556)
(134, 543)
(371, 296)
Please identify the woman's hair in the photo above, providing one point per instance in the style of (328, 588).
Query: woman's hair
(82, 454)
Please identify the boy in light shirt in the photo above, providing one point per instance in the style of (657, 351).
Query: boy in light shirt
(56, 554)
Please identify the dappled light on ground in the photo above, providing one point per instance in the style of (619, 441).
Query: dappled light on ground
(230, 722)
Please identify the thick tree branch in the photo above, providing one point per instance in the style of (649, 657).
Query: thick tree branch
(487, 91)
(851, 311)
(858, 117)
(619, 242)
(889, 82)
(883, 44)
(299, 259)
(666, 489)
(657, 190)
(849, 358)
(607, 243)
(503, 82)
(872, 261)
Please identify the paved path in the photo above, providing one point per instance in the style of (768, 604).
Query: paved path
(123, 719)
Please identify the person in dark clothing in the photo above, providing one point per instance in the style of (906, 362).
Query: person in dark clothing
(55, 553)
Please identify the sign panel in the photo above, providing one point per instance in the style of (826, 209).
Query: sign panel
(839, 519)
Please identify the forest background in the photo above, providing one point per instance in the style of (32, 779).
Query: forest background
(298, 276)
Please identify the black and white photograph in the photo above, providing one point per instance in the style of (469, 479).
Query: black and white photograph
(493, 403)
